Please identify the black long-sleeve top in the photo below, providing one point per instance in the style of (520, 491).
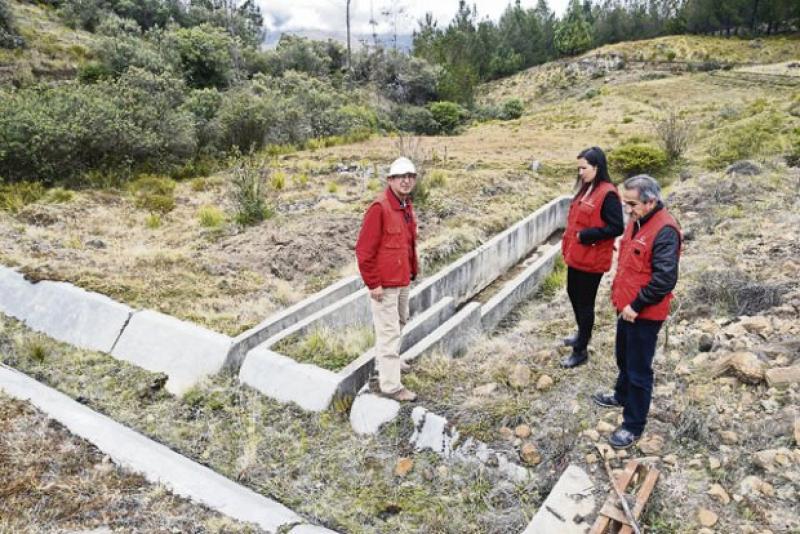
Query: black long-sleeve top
(611, 213)
(666, 249)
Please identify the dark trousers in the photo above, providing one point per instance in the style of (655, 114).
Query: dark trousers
(582, 291)
(635, 348)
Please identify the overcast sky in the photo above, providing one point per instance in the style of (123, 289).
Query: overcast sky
(282, 15)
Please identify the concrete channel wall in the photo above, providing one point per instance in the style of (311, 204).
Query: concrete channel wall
(440, 329)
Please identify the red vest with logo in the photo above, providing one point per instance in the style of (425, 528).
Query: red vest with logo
(635, 266)
(585, 213)
(396, 254)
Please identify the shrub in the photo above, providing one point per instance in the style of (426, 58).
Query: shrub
(415, 119)
(153, 221)
(154, 193)
(205, 55)
(512, 109)
(746, 139)
(93, 72)
(333, 187)
(436, 178)
(635, 159)
(734, 292)
(58, 195)
(554, 281)
(247, 120)
(448, 115)
(674, 134)
(301, 179)
(278, 180)
(248, 191)
(14, 197)
(210, 217)
(793, 156)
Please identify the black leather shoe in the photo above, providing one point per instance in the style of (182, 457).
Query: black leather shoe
(570, 341)
(606, 400)
(575, 359)
(622, 439)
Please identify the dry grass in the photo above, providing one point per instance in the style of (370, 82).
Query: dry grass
(52, 481)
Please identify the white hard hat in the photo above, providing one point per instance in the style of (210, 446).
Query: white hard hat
(402, 166)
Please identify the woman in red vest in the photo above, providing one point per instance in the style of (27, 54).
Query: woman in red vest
(594, 220)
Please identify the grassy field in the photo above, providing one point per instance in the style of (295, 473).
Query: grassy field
(195, 264)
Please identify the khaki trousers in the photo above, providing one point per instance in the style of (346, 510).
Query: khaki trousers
(389, 316)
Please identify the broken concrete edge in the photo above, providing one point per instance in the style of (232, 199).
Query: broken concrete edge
(285, 380)
(471, 273)
(62, 311)
(310, 529)
(185, 352)
(518, 289)
(155, 462)
(432, 432)
(571, 497)
(369, 412)
(284, 319)
(357, 372)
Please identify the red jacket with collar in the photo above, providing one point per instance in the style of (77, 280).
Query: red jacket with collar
(386, 246)
(585, 213)
(635, 266)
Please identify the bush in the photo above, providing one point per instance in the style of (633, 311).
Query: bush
(512, 109)
(448, 115)
(8, 30)
(674, 134)
(123, 126)
(14, 197)
(635, 159)
(746, 139)
(415, 119)
(247, 120)
(205, 54)
(154, 193)
(735, 293)
(210, 217)
(248, 191)
(793, 156)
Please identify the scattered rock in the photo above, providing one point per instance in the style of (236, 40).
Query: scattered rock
(670, 459)
(797, 432)
(522, 431)
(751, 486)
(433, 432)
(485, 390)
(592, 434)
(535, 165)
(506, 433)
(744, 168)
(719, 493)
(370, 411)
(544, 383)
(651, 444)
(591, 459)
(96, 243)
(745, 365)
(706, 517)
(714, 463)
(604, 427)
(520, 377)
(778, 376)
(705, 342)
(529, 454)
(403, 466)
(756, 325)
(729, 437)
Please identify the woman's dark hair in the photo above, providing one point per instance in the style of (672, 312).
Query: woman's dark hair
(595, 157)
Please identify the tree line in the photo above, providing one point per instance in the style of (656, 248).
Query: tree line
(473, 50)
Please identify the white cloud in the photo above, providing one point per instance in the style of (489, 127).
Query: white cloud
(330, 14)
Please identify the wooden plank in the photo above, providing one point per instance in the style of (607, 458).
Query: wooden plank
(600, 525)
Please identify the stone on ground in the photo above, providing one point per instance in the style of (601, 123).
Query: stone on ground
(403, 466)
(571, 497)
(706, 517)
(779, 376)
(370, 411)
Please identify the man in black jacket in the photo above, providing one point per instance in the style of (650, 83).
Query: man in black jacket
(647, 272)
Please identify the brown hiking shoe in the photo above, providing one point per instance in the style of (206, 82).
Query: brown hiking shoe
(401, 395)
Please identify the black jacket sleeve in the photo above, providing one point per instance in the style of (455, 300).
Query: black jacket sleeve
(611, 213)
(665, 269)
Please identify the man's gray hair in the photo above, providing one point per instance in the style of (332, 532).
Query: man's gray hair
(646, 185)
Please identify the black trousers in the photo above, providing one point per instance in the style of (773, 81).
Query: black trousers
(582, 291)
(635, 348)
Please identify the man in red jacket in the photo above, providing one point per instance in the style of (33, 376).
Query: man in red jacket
(647, 272)
(387, 258)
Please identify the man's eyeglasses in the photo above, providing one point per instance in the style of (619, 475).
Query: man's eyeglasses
(406, 177)
(632, 203)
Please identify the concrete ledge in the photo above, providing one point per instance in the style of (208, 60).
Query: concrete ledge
(453, 336)
(157, 463)
(184, 351)
(468, 275)
(519, 289)
(62, 311)
(571, 496)
(285, 380)
(370, 411)
(352, 310)
(310, 529)
(286, 318)
(357, 372)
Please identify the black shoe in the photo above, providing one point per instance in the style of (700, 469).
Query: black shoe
(578, 357)
(606, 400)
(570, 341)
(622, 439)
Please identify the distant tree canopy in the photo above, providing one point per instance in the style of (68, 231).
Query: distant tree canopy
(470, 50)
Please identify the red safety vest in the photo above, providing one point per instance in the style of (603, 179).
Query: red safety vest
(585, 213)
(396, 260)
(635, 266)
